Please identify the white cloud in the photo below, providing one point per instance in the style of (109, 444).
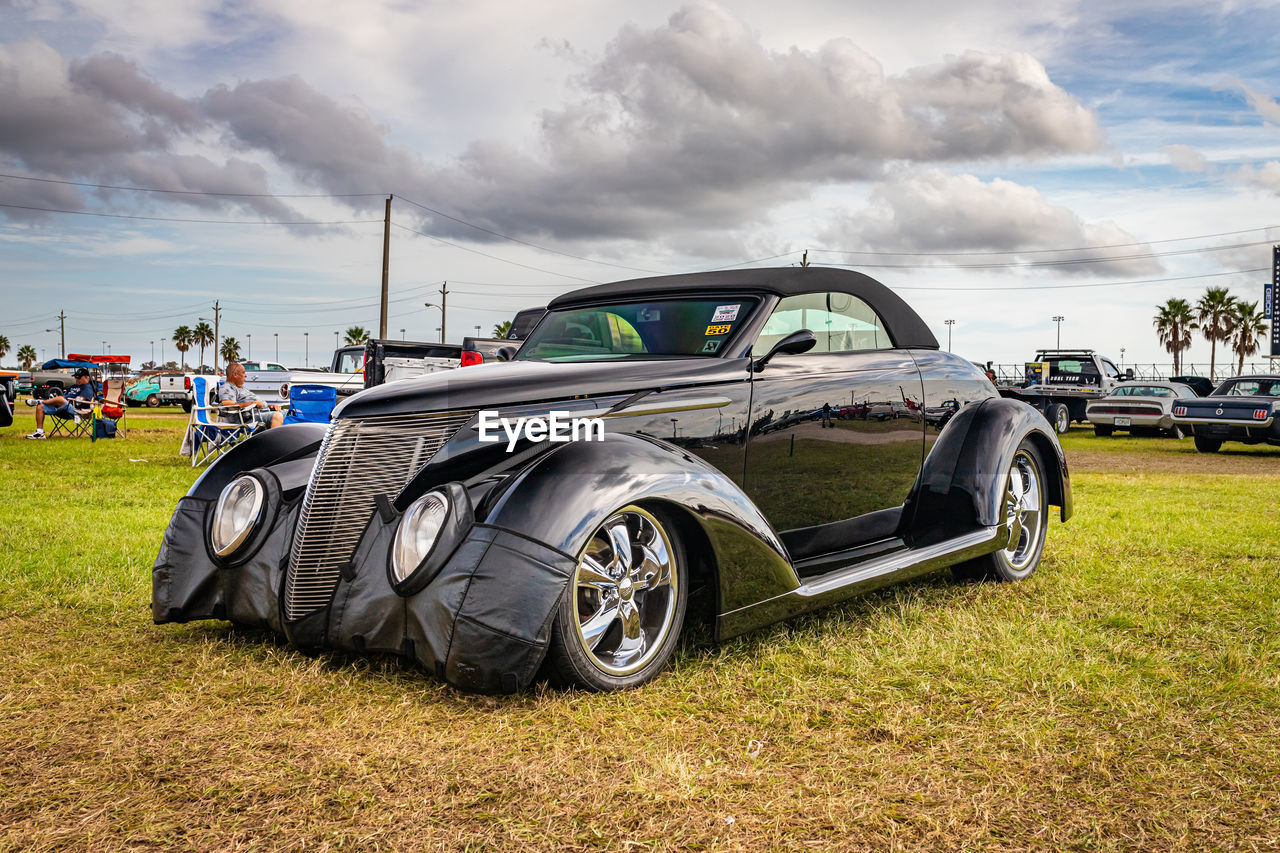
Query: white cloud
(933, 211)
(1186, 159)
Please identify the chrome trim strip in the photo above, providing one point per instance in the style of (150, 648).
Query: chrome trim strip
(659, 407)
(897, 561)
(1185, 419)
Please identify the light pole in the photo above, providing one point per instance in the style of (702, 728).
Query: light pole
(1058, 318)
(306, 349)
(104, 348)
(1122, 359)
(335, 340)
(949, 323)
(402, 334)
(153, 352)
(277, 334)
(477, 331)
(248, 346)
(439, 328)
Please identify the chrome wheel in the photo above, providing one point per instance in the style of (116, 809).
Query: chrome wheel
(626, 590)
(1023, 503)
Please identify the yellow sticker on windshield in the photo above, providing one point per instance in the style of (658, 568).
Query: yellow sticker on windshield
(718, 330)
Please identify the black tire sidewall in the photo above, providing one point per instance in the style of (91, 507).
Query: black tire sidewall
(571, 665)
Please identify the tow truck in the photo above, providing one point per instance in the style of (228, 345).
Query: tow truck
(1061, 382)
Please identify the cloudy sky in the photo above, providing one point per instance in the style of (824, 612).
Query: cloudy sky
(995, 165)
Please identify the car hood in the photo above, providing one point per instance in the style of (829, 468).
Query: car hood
(509, 383)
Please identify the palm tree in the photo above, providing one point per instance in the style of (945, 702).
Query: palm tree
(1214, 312)
(1249, 328)
(27, 356)
(1174, 322)
(5, 346)
(183, 339)
(230, 350)
(202, 336)
(355, 335)
(501, 330)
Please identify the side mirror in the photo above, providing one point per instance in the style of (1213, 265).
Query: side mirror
(793, 344)
(506, 353)
(1128, 375)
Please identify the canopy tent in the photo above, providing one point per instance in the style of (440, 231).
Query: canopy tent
(66, 363)
(100, 359)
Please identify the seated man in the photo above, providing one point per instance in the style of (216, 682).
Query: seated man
(76, 400)
(233, 393)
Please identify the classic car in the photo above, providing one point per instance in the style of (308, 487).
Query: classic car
(405, 526)
(1244, 408)
(158, 389)
(1136, 407)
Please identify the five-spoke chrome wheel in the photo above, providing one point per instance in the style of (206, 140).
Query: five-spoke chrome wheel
(625, 592)
(1024, 505)
(620, 617)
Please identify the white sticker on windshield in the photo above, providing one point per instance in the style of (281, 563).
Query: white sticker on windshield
(725, 313)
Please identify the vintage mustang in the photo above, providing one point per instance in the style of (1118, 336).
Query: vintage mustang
(729, 451)
(1245, 409)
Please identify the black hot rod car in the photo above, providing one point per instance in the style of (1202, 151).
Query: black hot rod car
(766, 440)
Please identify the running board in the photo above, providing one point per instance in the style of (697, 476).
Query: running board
(897, 562)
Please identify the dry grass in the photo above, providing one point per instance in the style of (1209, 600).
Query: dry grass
(1125, 698)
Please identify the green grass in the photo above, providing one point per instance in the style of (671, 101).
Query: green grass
(1127, 697)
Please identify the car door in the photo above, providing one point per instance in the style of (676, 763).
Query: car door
(837, 434)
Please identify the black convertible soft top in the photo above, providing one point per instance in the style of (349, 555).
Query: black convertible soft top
(903, 324)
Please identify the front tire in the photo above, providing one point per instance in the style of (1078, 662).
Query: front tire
(1208, 445)
(153, 401)
(1027, 518)
(619, 619)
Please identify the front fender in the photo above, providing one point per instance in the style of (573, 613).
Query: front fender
(962, 484)
(189, 583)
(563, 498)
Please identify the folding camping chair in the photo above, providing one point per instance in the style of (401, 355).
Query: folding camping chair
(311, 404)
(113, 403)
(81, 425)
(212, 428)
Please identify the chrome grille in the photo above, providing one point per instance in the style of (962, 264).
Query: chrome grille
(359, 459)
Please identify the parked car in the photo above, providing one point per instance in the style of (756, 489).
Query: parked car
(170, 389)
(1244, 409)
(1138, 406)
(8, 393)
(407, 526)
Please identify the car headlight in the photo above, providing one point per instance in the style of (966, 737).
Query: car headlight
(418, 532)
(237, 513)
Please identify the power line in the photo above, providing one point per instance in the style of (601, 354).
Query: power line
(444, 215)
(197, 221)
(1090, 284)
(1064, 262)
(1036, 251)
(493, 257)
(187, 192)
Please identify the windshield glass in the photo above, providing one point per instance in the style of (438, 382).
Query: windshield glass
(1143, 391)
(1249, 388)
(638, 330)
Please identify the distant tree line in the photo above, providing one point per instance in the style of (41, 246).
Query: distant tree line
(1219, 317)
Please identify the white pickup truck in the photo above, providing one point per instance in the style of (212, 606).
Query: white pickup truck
(271, 381)
(1061, 382)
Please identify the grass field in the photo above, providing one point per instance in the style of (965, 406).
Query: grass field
(1126, 698)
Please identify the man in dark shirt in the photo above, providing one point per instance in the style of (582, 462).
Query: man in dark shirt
(75, 401)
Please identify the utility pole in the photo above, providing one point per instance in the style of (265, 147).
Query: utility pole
(444, 295)
(949, 323)
(306, 349)
(217, 342)
(804, 259)
(62, 329)
(386, 267)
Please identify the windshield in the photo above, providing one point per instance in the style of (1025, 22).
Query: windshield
(1249, 388)
(1144, 391)
(638, 330)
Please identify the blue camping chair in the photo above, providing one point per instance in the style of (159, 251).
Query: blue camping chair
(311, 404)
(212, 428)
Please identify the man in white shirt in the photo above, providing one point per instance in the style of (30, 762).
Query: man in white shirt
(233, 393)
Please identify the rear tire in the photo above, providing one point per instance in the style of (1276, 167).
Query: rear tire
(1103, 431)
(153, 401)
(1060, 416)
(1208, 445)
(1027, 517)
(619, 619)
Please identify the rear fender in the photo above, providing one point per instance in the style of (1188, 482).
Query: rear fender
(962, 484)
